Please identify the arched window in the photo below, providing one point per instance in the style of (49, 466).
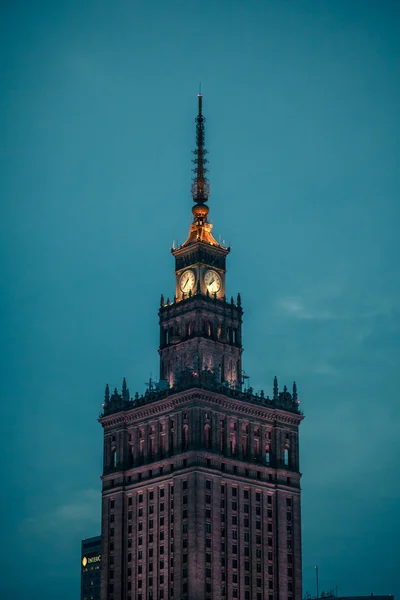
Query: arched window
(286, 457)
(114, 457)
(185, 437)
(267, 455)
(207, 436)
(219, 331)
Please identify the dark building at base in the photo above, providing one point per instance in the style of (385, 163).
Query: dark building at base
(91, 568)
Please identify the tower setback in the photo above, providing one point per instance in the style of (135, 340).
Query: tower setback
(201, 480)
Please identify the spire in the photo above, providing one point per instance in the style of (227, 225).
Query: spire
(107, 394)
(200, 186)
(276, 390)
(125, 391)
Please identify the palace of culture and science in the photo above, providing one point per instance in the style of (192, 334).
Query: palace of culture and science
(201, 481)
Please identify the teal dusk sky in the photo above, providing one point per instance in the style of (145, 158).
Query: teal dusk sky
(97, 130)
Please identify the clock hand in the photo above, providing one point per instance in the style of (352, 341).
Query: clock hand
(186, 282)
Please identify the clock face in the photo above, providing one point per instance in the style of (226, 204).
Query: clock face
(212, 281)
(187, 281)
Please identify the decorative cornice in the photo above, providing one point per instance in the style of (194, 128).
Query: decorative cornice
(169, 404)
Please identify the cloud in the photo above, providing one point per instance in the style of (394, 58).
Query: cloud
(80, 511)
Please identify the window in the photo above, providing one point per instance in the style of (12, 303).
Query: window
(290, 572)
(247, 580)
(258, 568)
(246, 508)
(258, 539)
(139, 569)
(151, 523)
(235, 593)
(246, 522)
(140, 540)
(140, 512)
(288, 502)
(258, 582)
(289, 516)
(258, 511)
(112, 504)
(151, 495)
(140, 526)
(184, 485)
(269, 569)
(234, 520)
(258, 524)
(234, 563)
(258, 496)
(269, 513)
(150, 538)
(269, 555)
(161, 521)
(208, 499)
(151, 509)
(289, 530)
(234, 491)
(234, 534)
(208, 484)
(161, 506)
(246, 494)
(234, 505)
(246, 536)
(234, 549)
(289, 543)
(208, 558)
(234, 578)
(258, 553)
(246, 551)
(130, 501)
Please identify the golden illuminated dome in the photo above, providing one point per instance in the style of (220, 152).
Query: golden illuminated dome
(200, 211)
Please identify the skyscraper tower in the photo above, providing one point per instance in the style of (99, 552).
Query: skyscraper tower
(201, 481)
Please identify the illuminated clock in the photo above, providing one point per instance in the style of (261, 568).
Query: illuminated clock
(84, 561)
(212, 281)
(187, 281)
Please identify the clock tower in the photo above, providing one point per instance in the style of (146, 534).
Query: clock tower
(201, 478)
(201, 330)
